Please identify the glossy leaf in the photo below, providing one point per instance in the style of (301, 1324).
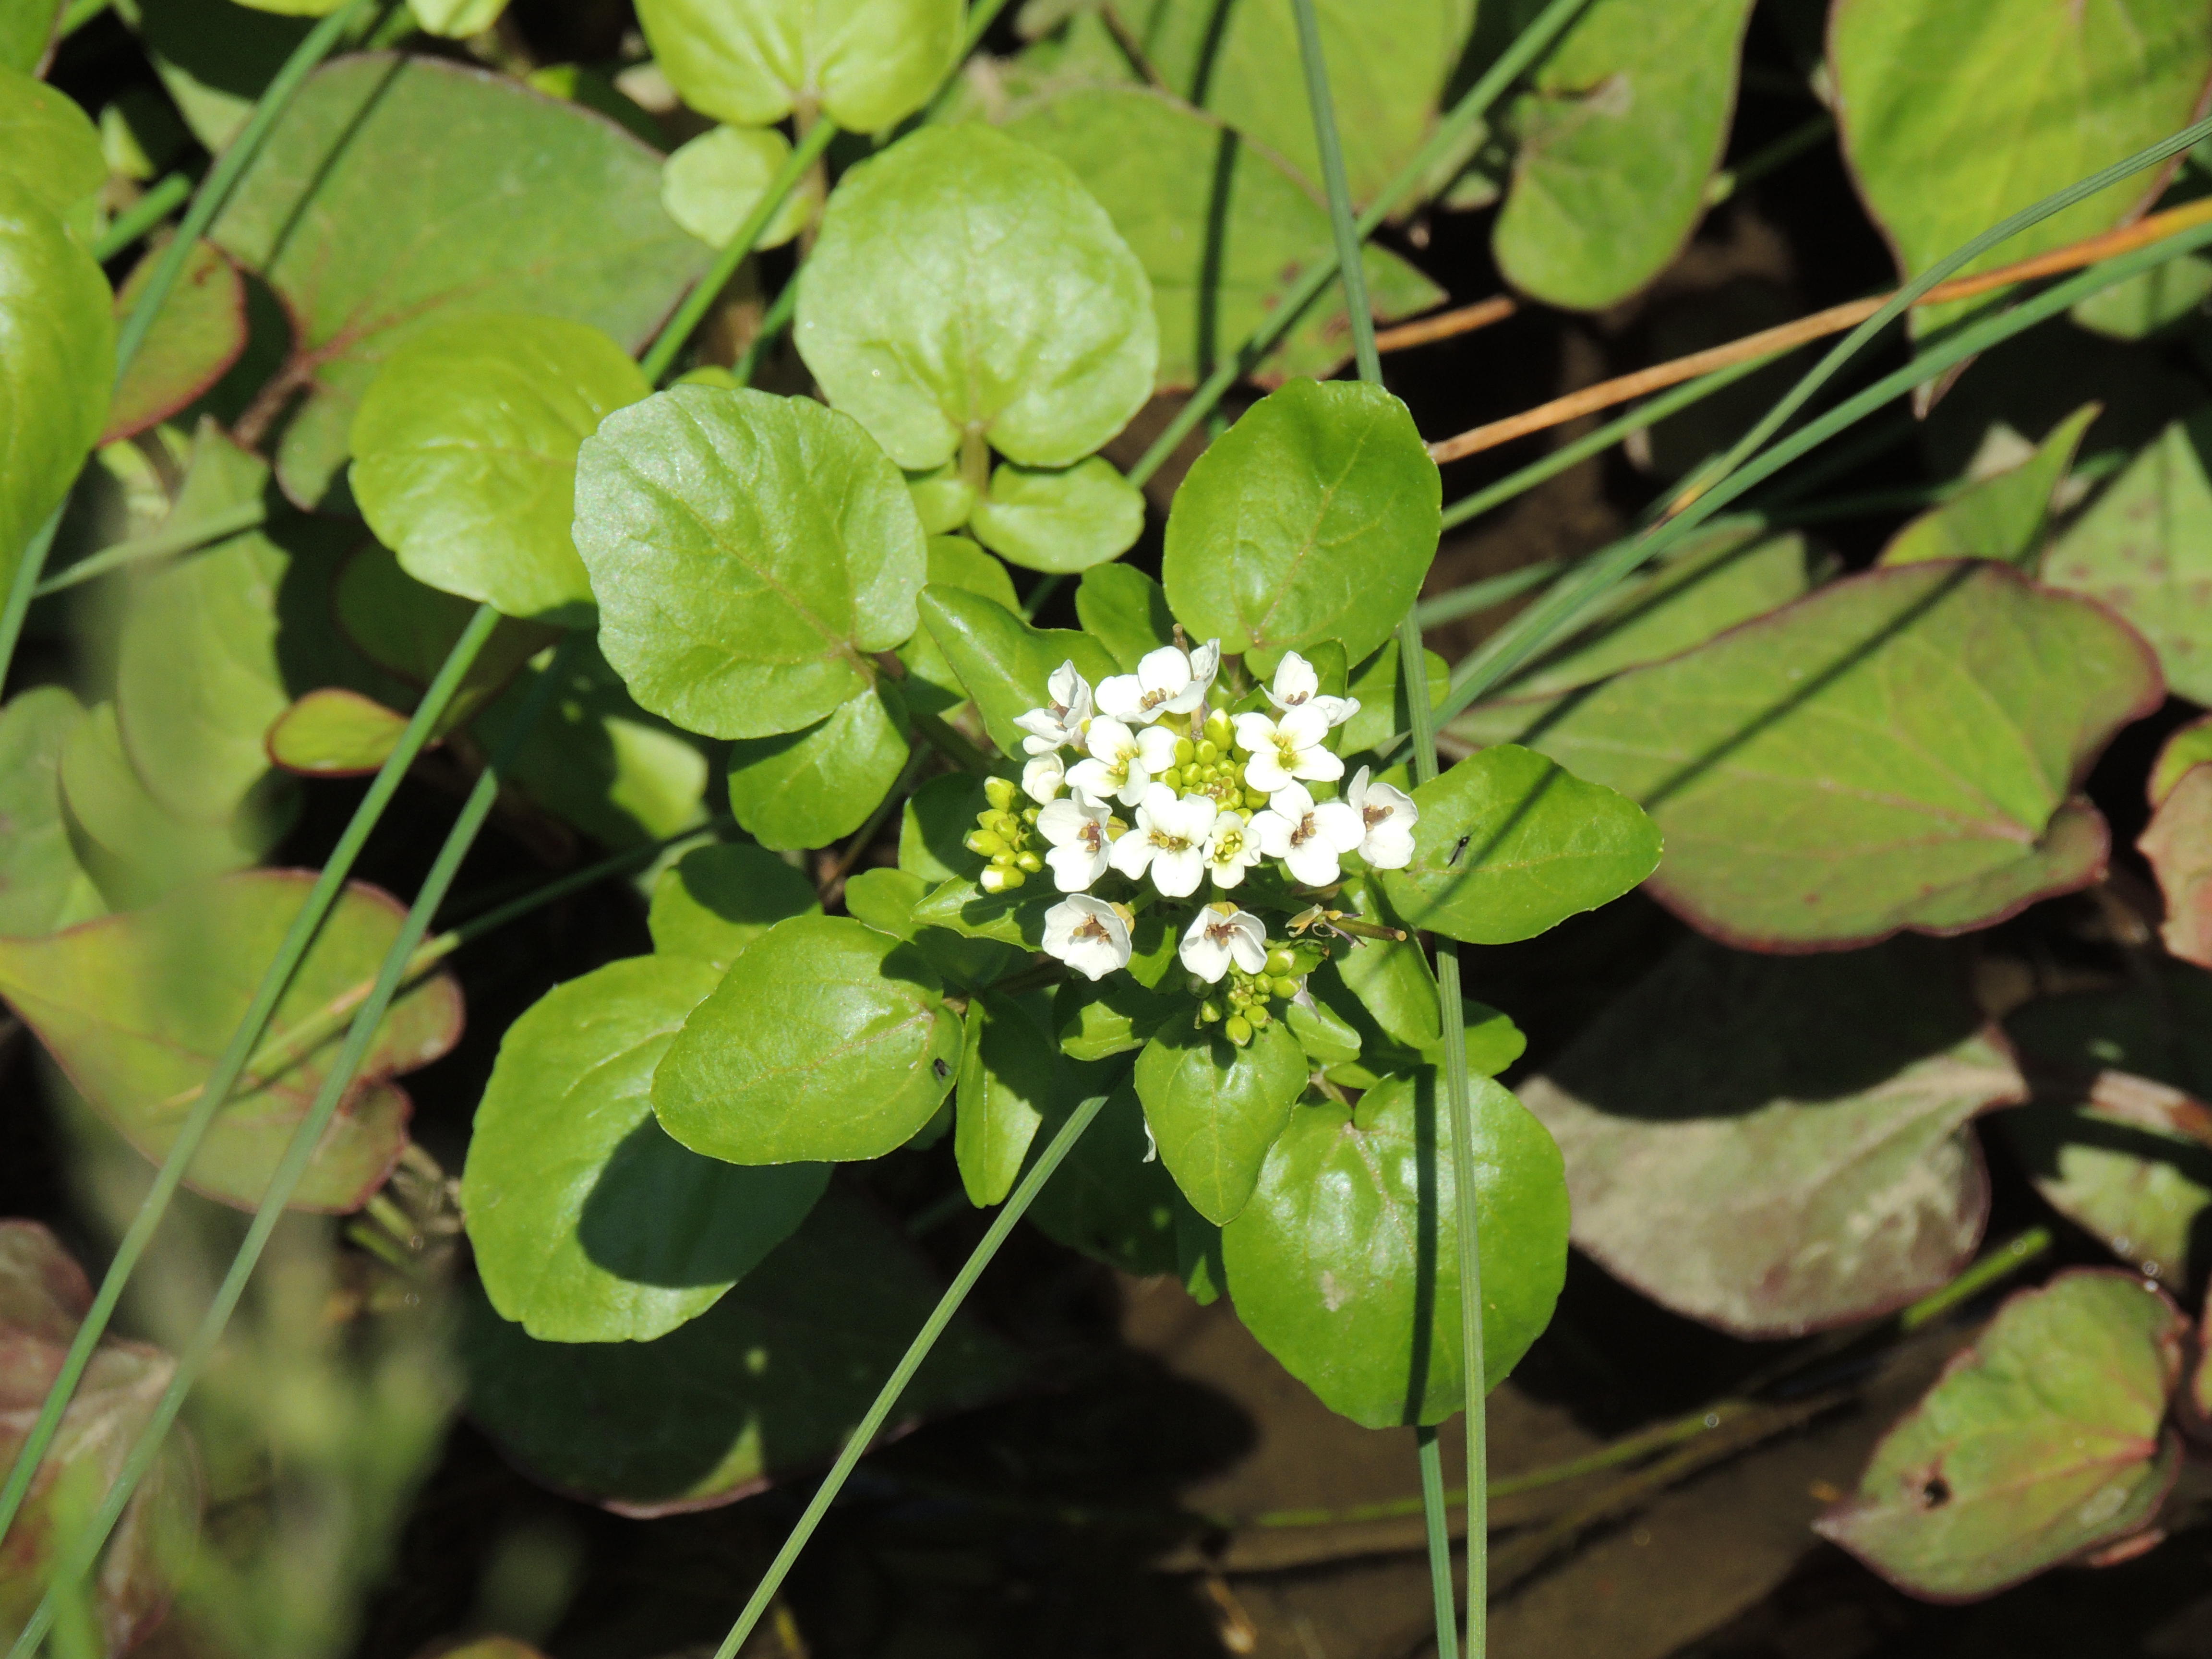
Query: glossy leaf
(1384, 710)
(465, 456)
(370, 232)
(1015, 917)
(748, 552)
(1002, 661)
(933, 827)
(1778, 1144)
(2178, 844)
(1313, 517)
(1624, 123)
(2000, 517)
(134, 1008)
(1125, 612)
(715, 900)
(825, 1042)
(1216, 1109)
(48, 144)
(1897, 749)
(1345, 1263)
(711, 185)
(979, 226)
(589, 1223)
(954, 562)
(765, 1383)
(1009, 1074)
(887, 900)
(864, 64)
(1111, 1198)
(42, 885)
(198, 335)
(334, 734)
(809, 788)
(1510, 844)
(2037, 1444)
(1061, 519)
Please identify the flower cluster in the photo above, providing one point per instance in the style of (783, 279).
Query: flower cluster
(1207, 795)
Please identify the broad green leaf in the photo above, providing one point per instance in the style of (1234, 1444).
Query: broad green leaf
(595, 91)
(954, 562)
(408, 629)
(2178, 844)
(198, 335)
(1110, 1199)
(56, 362)
(825, 1042)
(49, 145)
(1125, 612)
(1313, 517)
(1384, 710)
(1622, 128)
(943, 499)
(335, 733)
(1216, 1109)
(2038, 1444)
(1955, 117)
(1014, 917)
(42, 885)
(864, 64)
(136, 1007)
(765, 1383)
(1897, 749)
(356, 212)
(1093, 1022)
(1325, 1039)
(1061, 519)
(2001, 517)
(215, 57)
(26, 30)
(715, 900)
(465, 456)
(2189, 746)
(456, 20)
(809, 788)
(886, 900)
(748, 552)
(1003, 662)
(711, 185)
(933, 827)
(1163, 171)
(1345, 1263)
(2146, 305)
(1511, 844)
(1776, 1145)
(1018, 316)
(1010, 1071)
(2144, 549)
(589, 1223)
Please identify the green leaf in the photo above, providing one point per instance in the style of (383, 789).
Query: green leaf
(715, 900)
(1897, 749)
(933, 827)
(1952, 118)
(1125, 612)
(954, 562)
(2038, 1444)
(1065, 519)
(2190, 745)
(589, 1223)
(2149, 303)
(42, 885)
(864, 64)
(1345, 1263)
(1001, 660)
(809, 788)
(2178, 844)
(465, 456)
(335, 733)
(1009, 1074)
(595, 91)
(214, 58)
(1110, 1199)
(1117, 1014)
(886, 900)
(765, 1383)
(26, 30)
(408, 630)
(1511, 844)
(711, 185)
(1625, 122)
(136, 1007)
(456, 20)
(945, 500)
(198, 336)
(1384, 710)
(357, 214)
(749, 552)
(825, 1042)
(1015, 917)
(2144, 549)
(1162, 170)
(1216, 1109)
(48, 145)
(54, 376)
(2000, 517)
(1778, 1144)
(980, 226)
(1313, 517)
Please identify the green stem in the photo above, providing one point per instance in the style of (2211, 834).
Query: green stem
(77, 1557)
(1776, 155)
(1323, 108)
(23, 587)
(1435, 1513)
(1043, 592)
(773, 324)
(141, 215)
(169, 538)
(275, 981)
(864, 1433)
(1481, 595)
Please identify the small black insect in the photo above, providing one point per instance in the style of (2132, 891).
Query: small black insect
(942, 1070)
(1458, 847)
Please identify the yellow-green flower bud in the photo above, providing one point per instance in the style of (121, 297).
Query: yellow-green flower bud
(1279, 961)
(1011, 879)
(1284, 986)
(1209, 1011)
(983, 842)
(1258, 1014)
(1000, 791)
(1029, 861)
(1237, 1029)
(1185, 752)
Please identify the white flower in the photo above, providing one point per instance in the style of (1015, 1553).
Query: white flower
(1169, 839)
(1044, 776)
(1387, 817)
(1122, 762)
(1168, 681)
(1296, 746)
(1076, 828)
(1231, 849)
(1062, 722)
(1308, 838)
(1088, 935)
(1296, 686)
(1220, 934)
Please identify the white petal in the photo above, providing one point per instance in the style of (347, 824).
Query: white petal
(1339, 825)
(1202, 954)
(1319, 764)
(1156, 747)
(1264, 772)
(1167, 668)
(1074, 868)
(1230, 874)
(1338, 709)
(1191, 818)
(1094, 778)
(1176, 874)
(1292, 800)
(1303, 727)
(1295, 681)
(1271, 832)
(1247, 942)
(1062, 820)
(1108, 739)
(1395, 801)
(1131, 854)
(1256, 733)
(1356, 791)
(1043, 777)
(1313, 862)
(1121, 698)
(1067, 689)
(1388, 847)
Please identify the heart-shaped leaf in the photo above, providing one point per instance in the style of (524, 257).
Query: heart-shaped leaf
(42, 885)
(1060, 519)
(1215, 1108)
(808, 788)
(198, 335)
(1003, 663)
(712, 184)
(866, 64)
(715, 901)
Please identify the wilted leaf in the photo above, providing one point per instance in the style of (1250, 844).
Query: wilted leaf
(715, 901)
(196, 338)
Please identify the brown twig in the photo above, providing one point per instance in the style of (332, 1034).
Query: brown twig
(1447, 324)
(1835, 320)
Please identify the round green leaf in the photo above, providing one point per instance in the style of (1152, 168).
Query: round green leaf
(1009, 1073)
(808, 788)
(1313, 517)
(715, 901)
(1018, 313)
(590, 1224)
(47, 144)
(333, 732)
(27, 27)
(748, 553)
(825, 1042)
(864, 64)
(1215, 1108)
(42, 885)
(943, 499)
(1125, 610)
(465, 456)
(1059, 519)
(1345, 1263)
(711, 185)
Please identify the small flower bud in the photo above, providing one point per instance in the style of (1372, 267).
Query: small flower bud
(1259, 1016)
(1209, 752)
(992, 880)
(983, 842)
(1028, 862)
(1185, 752)
(1173, 778)
(1284, 986)
(1237, 1029)
(1000, 791)
(1210, 1011)
(1255, 799)
(1279, 961)
(1010, 878)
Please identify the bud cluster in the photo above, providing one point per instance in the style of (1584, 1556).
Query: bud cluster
(1002, 835)
(1239, 1006)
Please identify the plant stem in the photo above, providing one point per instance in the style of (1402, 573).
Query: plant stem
(1436, 1515)
(141, 215)
(771, 326)
(169, 538)
(1481, 595)
(232, 1062)
(23, 586)
(77, 1556)
(872, 1422)
(1323, 108)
